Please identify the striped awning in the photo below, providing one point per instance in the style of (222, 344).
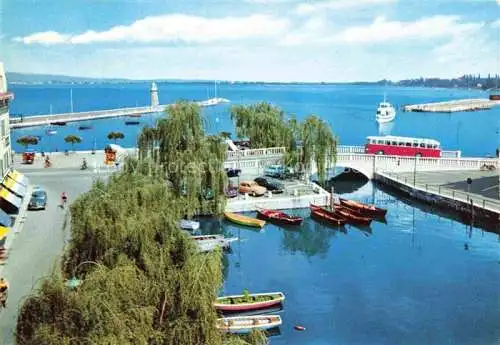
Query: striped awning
(5, 219)
(18, 177)
(14, 186)
(9, 202)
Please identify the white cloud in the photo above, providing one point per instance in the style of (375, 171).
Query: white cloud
(46, 37)
(382, 30)
(315, 7)
(173, 28)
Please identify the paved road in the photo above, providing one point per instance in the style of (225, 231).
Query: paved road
(38, 246)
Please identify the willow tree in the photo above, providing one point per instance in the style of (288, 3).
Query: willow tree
(262, 123)
(144, 281)
(192, 162)
(319, 146)
(306, 143)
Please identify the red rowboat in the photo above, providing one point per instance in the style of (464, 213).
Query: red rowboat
(343, 213)
(351, 216)
(279, 217)
(363, 209)
(326, 216)
(249, 302)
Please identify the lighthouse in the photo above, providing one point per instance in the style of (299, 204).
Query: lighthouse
(154, 95)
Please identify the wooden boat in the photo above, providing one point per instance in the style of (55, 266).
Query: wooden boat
(363, 209)
(84, 127)
(279, 217)
(59, 123)
(244, 220)
(207, 243)
(134, 115)
(189, 224)
(344, 213)
(256, 301)
(322, 215)
(245, 324)
(132, 122)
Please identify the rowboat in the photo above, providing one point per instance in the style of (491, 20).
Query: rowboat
(250, 302)
(279, 217)
(343, 213)
(189, 224)
(207, 243)
(351, 216)
(244, 220)
(245, 324)
(363, 209)
(322, 215)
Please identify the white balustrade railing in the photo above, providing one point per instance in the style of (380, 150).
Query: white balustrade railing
(256, 153)
(350, 149)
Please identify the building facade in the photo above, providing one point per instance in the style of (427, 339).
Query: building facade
(5, 145)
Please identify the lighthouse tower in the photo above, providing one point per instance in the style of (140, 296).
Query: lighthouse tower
(154, 95)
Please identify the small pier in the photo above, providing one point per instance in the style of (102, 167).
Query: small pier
(478, 200)
(43, 120)
(452, 106)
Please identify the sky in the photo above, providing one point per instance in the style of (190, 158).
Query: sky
(254, 40)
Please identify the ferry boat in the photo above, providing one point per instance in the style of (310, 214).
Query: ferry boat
(385, 112)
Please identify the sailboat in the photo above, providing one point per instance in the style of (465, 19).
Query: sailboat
(385, 112)
(49, 130)
(214, 101)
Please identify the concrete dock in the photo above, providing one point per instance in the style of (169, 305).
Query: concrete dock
(479, 200)
(453, 106)
(43, 120)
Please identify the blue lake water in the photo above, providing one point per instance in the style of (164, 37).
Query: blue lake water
(419, 278)
(349, 109)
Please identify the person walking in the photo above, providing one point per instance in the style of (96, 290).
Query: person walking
(64, 199)
(4, 289)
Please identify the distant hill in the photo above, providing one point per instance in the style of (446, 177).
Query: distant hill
(27, 78)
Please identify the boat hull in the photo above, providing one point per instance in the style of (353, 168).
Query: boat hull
(244, 220)
(323, 216)
(277, 299)
(279, 217)
(363, 209)
(245, 324)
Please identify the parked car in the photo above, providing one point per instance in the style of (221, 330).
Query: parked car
(272, 186)
(38, 199)
(277, 170)
(233, 172)
(252, 188)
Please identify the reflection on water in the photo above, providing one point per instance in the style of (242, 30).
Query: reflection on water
(312, 239)
(385, 128)
(416, 272)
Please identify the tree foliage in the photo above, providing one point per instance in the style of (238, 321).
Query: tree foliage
(311, 141)
(191, 161)
(115, 136)
(72, 139)
(27, 140)
(144, 280)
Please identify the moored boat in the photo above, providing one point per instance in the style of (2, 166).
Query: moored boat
(364, 209)
(351, 217)
(279, 217)
(245, 324)
(207, 243)
(244, 220)
(320, 214)
(132, 122)
(249, 302)
(189, 224)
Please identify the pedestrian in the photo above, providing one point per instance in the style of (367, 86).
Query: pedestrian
(4, 289)
(498, 152)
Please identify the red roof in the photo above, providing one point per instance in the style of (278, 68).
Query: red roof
(6, 95)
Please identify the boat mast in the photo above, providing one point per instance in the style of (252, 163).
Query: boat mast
(71, 98)
(215, 82)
